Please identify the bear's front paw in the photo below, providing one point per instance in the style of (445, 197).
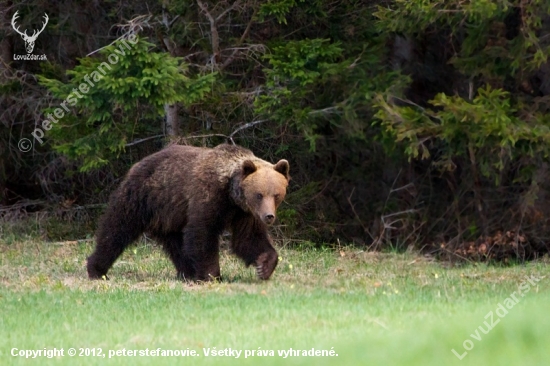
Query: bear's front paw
(265, 264)
(95, 272)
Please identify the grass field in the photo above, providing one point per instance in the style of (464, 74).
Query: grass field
(367, 308)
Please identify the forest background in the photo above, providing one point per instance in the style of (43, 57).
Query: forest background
(408, 124)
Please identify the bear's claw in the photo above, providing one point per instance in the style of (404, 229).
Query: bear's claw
(265, 264)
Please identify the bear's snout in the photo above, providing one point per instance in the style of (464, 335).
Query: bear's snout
(269, 219)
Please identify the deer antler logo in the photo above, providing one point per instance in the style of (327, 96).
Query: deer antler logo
(29, 40)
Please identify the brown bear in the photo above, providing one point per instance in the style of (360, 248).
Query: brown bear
(184, 197)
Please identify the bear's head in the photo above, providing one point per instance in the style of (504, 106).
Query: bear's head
(263, 187)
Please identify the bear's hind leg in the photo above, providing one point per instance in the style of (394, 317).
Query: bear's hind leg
(172, 244)
(112, 238)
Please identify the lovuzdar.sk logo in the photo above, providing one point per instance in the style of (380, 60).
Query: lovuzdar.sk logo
(29, 40)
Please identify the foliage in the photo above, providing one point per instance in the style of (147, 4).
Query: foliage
(497, 135)
(497, 38)
(299, 70)
(125, 100)
(278, 9)
(312, 86)
(487, 130)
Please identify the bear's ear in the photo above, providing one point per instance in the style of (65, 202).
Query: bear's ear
(283, 168)
(248, 168)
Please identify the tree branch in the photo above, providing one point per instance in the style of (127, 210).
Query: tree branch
(230, 59)
(214, 32)
(135, 142)
(204, 136)
(227, 11)
(247, 125)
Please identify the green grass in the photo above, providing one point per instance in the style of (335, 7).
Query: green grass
(370, 308)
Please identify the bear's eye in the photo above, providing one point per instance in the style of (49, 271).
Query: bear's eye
(259, 196)
(277, 197)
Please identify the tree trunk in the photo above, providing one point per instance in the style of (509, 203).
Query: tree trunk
(171, 123)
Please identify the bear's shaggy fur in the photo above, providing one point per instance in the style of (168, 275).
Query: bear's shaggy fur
(185, 197)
